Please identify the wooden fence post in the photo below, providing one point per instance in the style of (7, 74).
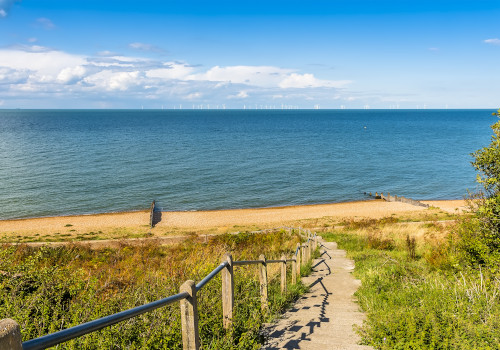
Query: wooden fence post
(310, 249)
(294, 269)
(283, 274)
(10, 335)
(189, 317)
(303, 254)
(227, 292)
(263, 282)
(298, 260)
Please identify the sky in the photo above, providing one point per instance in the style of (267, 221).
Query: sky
(249, 54)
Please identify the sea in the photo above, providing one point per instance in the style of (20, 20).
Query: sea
(65, 162)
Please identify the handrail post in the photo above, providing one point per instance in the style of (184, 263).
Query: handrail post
(10, 335)
(263, 282)
(310, 248)
(283, 274)
(303, 254)
(298, 261)
(227, 292)
(294, 269)
(189, 317)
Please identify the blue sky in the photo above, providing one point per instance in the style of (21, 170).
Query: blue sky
(290, 54)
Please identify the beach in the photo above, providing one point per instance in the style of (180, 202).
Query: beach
(136, 224)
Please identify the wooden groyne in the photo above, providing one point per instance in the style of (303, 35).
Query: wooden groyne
(396, 198)
(154, 215)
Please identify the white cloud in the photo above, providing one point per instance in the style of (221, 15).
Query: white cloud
(12, 76)
(113, 81)
(239, 95)
(194, 96)
(45, 23)
(71, 75)
(44, 64)
(107, 53)
(5, 6)
(30, 48)
(263, 76)
(145, 47)
(171, 71)
(301, 81)
(495, 41)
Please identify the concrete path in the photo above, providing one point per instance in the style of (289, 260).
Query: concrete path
(324, 317)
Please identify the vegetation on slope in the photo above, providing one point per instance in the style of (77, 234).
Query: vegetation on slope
(49, 289)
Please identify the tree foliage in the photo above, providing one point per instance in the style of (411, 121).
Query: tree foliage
(480, 234)
(487, 162)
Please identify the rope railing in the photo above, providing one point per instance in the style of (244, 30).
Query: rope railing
(11, 339)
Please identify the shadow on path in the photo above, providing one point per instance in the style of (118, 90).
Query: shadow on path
(308, 328)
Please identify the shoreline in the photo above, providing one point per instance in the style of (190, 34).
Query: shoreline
(96, 214)
(136, 224)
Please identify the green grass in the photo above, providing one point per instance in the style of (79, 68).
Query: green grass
(424, 303)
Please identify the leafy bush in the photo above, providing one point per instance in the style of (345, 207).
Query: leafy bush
(480, 234)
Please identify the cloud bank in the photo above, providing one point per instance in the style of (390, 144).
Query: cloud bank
(36, 72)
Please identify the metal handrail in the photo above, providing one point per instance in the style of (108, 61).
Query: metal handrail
(88, 327)
(211, 275)
(247, 262)
(275, 261)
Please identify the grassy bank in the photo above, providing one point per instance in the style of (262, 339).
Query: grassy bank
(416, 294)
(48, 289)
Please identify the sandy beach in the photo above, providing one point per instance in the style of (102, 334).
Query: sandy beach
(135, 224)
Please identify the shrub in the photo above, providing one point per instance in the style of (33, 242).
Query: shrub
(480, 234)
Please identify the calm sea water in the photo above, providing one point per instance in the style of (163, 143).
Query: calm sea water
(61, 162)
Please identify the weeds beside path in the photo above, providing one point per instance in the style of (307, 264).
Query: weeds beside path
(421, 299)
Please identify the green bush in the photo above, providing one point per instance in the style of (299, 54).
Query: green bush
(480, 234)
